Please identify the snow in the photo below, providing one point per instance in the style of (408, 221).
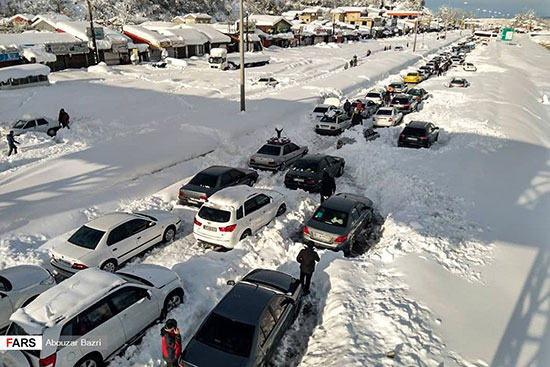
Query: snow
(189, 36)
(212, 34)
(65, 299)
(22, 71)
(152, 37)
(101, 68)
(460, 275)
(35, 38)
(38, 53)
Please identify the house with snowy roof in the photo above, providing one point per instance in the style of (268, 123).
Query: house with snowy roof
(193, 18)
(21, 19)
(310, 14)
(270, 24)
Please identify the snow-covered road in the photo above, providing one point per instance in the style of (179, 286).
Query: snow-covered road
(463, 254)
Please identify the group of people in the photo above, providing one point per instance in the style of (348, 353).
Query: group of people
(63, 119)
(355, 113)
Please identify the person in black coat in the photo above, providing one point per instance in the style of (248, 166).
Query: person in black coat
(11, 143)
(307, 258)
(328, 187)
(347, 107)
(63, 118)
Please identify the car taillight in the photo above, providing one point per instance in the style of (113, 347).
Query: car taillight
(271, 163)
(391, 103)
(423, 137)
(390, 119)
(332, 128)
(340, 239)
(402, 135)
(310, 182)
(196, 222)
(406, 104)
(48, 361)
(252, 160)
(306, 230)
(230, 228)
(79, 266)
(317, 126)
(182, 193)
(287, 178)
(203, 197)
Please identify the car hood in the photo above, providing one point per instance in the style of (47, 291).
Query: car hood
(157, 275)
(202, 355)
(197, 188)
(340, 231)
(69, 252)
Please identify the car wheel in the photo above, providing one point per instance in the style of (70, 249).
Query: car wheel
(89, 361)
(51, 132)
(169, 234)
(171, 302)
(341, 171)
(109, 266)
(245, 234)
(281, 210)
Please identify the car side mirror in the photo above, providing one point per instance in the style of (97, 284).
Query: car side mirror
(288, 301)
(231, 282)
(149, 295)
(152, 224)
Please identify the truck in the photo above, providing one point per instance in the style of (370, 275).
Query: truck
(219, 59)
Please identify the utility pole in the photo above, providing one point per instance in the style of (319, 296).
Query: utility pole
(241, 51)
(415, 33)
(94, 43)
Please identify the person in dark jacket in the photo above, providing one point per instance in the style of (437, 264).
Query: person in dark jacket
(307, 259)
(63, 118)
(11, 143)
(347, 107)
(171, 343)
(328, 187)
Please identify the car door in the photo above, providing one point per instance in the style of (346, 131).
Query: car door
(42, 125)
(288, 155)
(30, 126)
(226, 180)
(296, 153)
(283, 312)
(6, 309)
(120, 244)
(98, 323)
(266, 210)
(332, 166)
(136, 308)
(267, 334)
(251, 214)
(238, 177)
(145, 232)
(355, 217)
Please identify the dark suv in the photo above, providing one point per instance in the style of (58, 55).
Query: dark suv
(418, 134)
(307, 173)
(245, 328)
(213, 179)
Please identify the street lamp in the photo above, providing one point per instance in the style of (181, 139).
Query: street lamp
(241, 52)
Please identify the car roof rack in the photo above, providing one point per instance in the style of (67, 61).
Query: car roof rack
(279, 140)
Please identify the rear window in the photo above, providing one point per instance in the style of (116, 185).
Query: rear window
(412, 131)
(270, 150)
(413, 74)
(384, 112)
(86, 237)
(214, 215)
(415, 92)
(395, 85)
(227, 335)
(320, 109)
(306, 166)
(401, 100)
(331, 216)
(373, 95)
(204, 180)
(15, 329)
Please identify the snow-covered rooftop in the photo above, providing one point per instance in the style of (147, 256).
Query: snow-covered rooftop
(27, 17)
(146, 35)
(65, 299)
(196, 16)
(38, 54)
(23, 71)
(188, 36)
(36, 38)
(213, 35)
(266, 20)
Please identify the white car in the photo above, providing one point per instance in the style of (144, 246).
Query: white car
(109, 241)
(333, 123)
(19, 285)
(387, 116)
(36, 124)
(469, 67)
(378, 95)
(88, 319)
(234, 213)
(320, 110)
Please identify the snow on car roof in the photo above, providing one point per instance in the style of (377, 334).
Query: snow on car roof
(108, 221)
(65, 299)
(233, 196)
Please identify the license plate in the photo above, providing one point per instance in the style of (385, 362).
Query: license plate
(414, 139)
(299, 179)
(325, 126)
(208, 228)
(63, 262)
(320, 236)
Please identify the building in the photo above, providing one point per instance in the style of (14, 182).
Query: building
(404, 14)
(156, 42)
(291, 15)
(311, 14)
(193, 18)
(350, 14)
(269, 24)
(57, 50)
(21, 19)
(215, 38)
(48, 22)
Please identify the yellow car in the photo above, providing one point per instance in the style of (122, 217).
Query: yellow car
(414, 77)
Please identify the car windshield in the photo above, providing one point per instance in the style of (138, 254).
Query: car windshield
(413, 131)
(415, 92)
(204, 180)
(214, 215)
(270, 150)
(215, 60)
(264, 80)
(331, 216)
(457, 81)
(19, 124)
(395, 85)
(135, 279)
(86, 237)
(384, 112)
(306, 166)
(227, 335)
(412, 74)
(320, 109)
(373, 95)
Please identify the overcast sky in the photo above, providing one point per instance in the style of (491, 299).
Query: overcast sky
(541, 7)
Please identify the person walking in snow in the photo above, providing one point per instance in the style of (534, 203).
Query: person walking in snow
(347, 107)
(171, 343)
(11, 143)
(307, 258)
(328, 187)
(63, 118)
(385, 48)
(368, 53)
(354, 59)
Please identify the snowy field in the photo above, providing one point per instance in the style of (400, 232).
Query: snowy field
(461, 276)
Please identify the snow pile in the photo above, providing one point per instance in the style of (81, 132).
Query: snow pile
(180, 63)
(102, 68)
(545, 99)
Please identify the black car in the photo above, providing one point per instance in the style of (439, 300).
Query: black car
(419, 93)
(307, 173)
(370, 134)
(245, 328)
(418, 134)
(426, 70)
(404, 102)
(213, 179)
